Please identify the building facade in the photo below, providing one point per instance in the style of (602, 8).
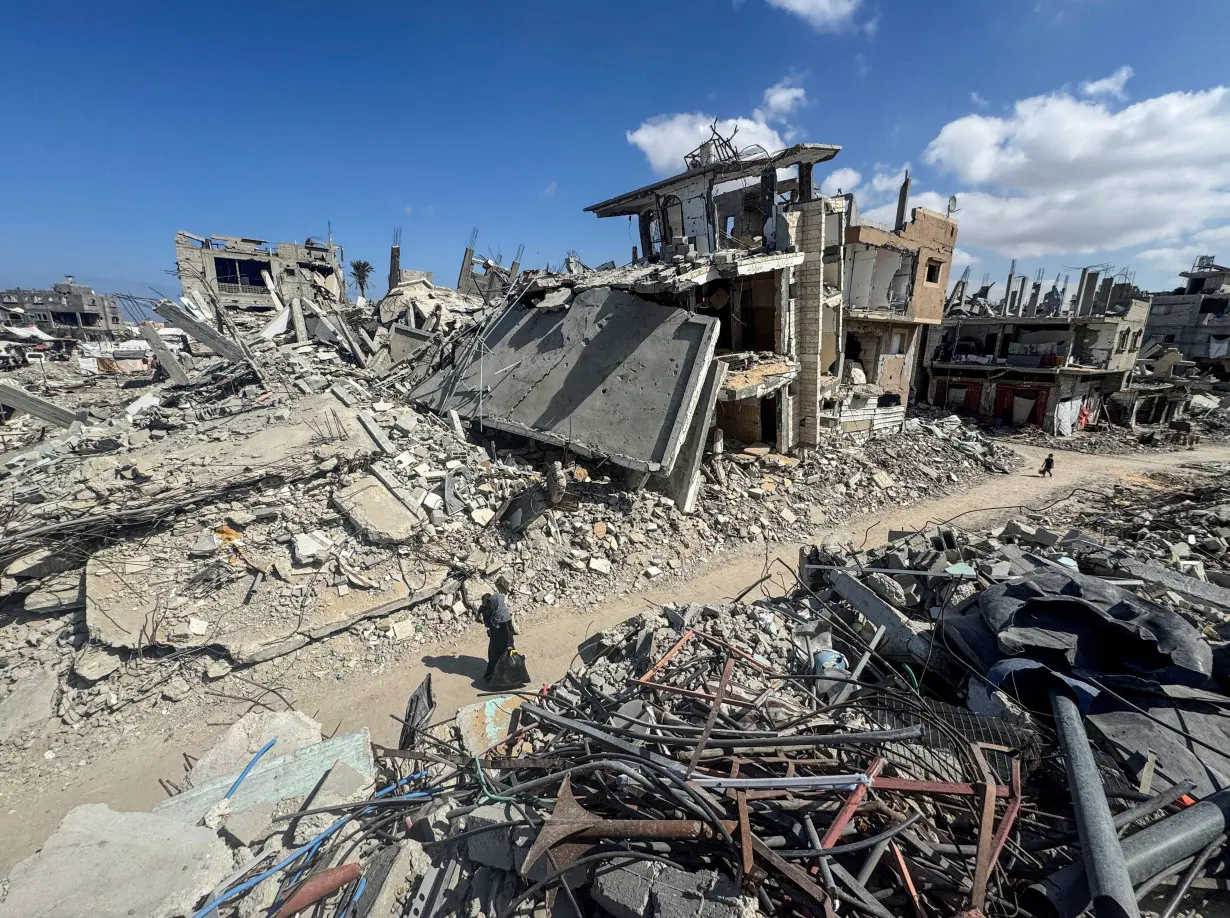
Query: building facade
(1051, 371)
(759, 248)
(895, 287)
(231, 270)
(1195, 318)
(67, 310)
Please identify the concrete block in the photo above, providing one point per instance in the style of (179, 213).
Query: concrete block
(701, 893)
(311, 547)
(115, 865)
(1015, 529)
(343, 784)
(887, 589)
(494, 847)
(42, 563)
(244, 830)
(293, 730)
(29, 703)
(376, 513)
(294, 775)
(624, 892)
(1045, 537)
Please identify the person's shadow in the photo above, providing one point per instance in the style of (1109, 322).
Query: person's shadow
(472, 668)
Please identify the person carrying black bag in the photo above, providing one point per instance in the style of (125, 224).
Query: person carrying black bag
(497, 618)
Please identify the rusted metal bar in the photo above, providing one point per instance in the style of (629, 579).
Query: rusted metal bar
(317, 887)
(847, 810)
(1010, 814)
(745, 830)
(727, 669)
(904, 869)
(796, 875)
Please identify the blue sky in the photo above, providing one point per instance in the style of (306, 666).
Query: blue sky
(1073, 131)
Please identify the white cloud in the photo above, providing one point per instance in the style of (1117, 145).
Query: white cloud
(1175, 258)
(550, 190)
(1108, 86)
(961, 258)
(665, 139)
(978, 100)
(822, 15)
(844, 179)
(1063, 174)
(408, 209)
(781, 99)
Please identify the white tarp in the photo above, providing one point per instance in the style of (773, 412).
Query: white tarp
(1066, 414)
(1219, 347)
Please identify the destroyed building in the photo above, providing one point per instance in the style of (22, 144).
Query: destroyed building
(1036, 362)
(894, 289)
(67, 310)
(231, 269)
(1195, 318)
(484, 278)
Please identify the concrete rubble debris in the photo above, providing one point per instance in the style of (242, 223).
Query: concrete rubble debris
(110, 864)
(340, 483)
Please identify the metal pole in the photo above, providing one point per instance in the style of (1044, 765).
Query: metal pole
(1151, 850)
(1110, 885)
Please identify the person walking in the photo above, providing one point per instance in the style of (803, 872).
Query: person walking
(1047, 465)
(497, 618)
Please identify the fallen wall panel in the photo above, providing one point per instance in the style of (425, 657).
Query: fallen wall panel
(613, 374)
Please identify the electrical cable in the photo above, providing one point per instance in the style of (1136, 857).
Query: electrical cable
(247, 768)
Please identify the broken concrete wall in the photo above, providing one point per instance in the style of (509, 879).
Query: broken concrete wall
(683, 483)
(612, 374)
(814, 321)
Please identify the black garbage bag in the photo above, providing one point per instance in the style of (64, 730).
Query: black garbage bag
(510, 670)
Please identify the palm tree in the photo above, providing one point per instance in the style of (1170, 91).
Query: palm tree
(360, 271)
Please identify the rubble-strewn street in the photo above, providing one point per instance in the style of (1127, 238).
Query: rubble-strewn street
(737, 579)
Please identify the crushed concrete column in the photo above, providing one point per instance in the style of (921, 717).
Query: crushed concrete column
(165, 358)
(33, 405)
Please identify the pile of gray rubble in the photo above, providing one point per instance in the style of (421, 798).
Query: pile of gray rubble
(286, 489)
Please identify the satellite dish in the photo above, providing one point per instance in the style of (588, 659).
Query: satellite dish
(952, 204)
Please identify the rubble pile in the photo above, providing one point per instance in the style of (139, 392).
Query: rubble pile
(1109, 440)
(896, 736)
(742, 759)
(278, 500)
(748, 491)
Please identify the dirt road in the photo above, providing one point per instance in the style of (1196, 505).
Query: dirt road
(127, 778)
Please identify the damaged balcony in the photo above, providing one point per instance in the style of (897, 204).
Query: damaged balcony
(755, 375)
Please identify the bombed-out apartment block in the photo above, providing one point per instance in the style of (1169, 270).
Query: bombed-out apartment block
(1195, 318)
(773, 261)
(67, 310)
(730, 323)
(1039, 360)
(486, 278)
(231, 270)
(895, 283)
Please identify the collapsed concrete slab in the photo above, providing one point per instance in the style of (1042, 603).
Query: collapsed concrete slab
(115, 865)
(293, 731)
(379, 517)
(29, 703)
(274, 778)
(613, 375)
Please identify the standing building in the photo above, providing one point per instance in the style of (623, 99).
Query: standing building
(1195, 318)
(67, 310)
(797, 284)
(1054, 371)
(231, 270)
(895, 283)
